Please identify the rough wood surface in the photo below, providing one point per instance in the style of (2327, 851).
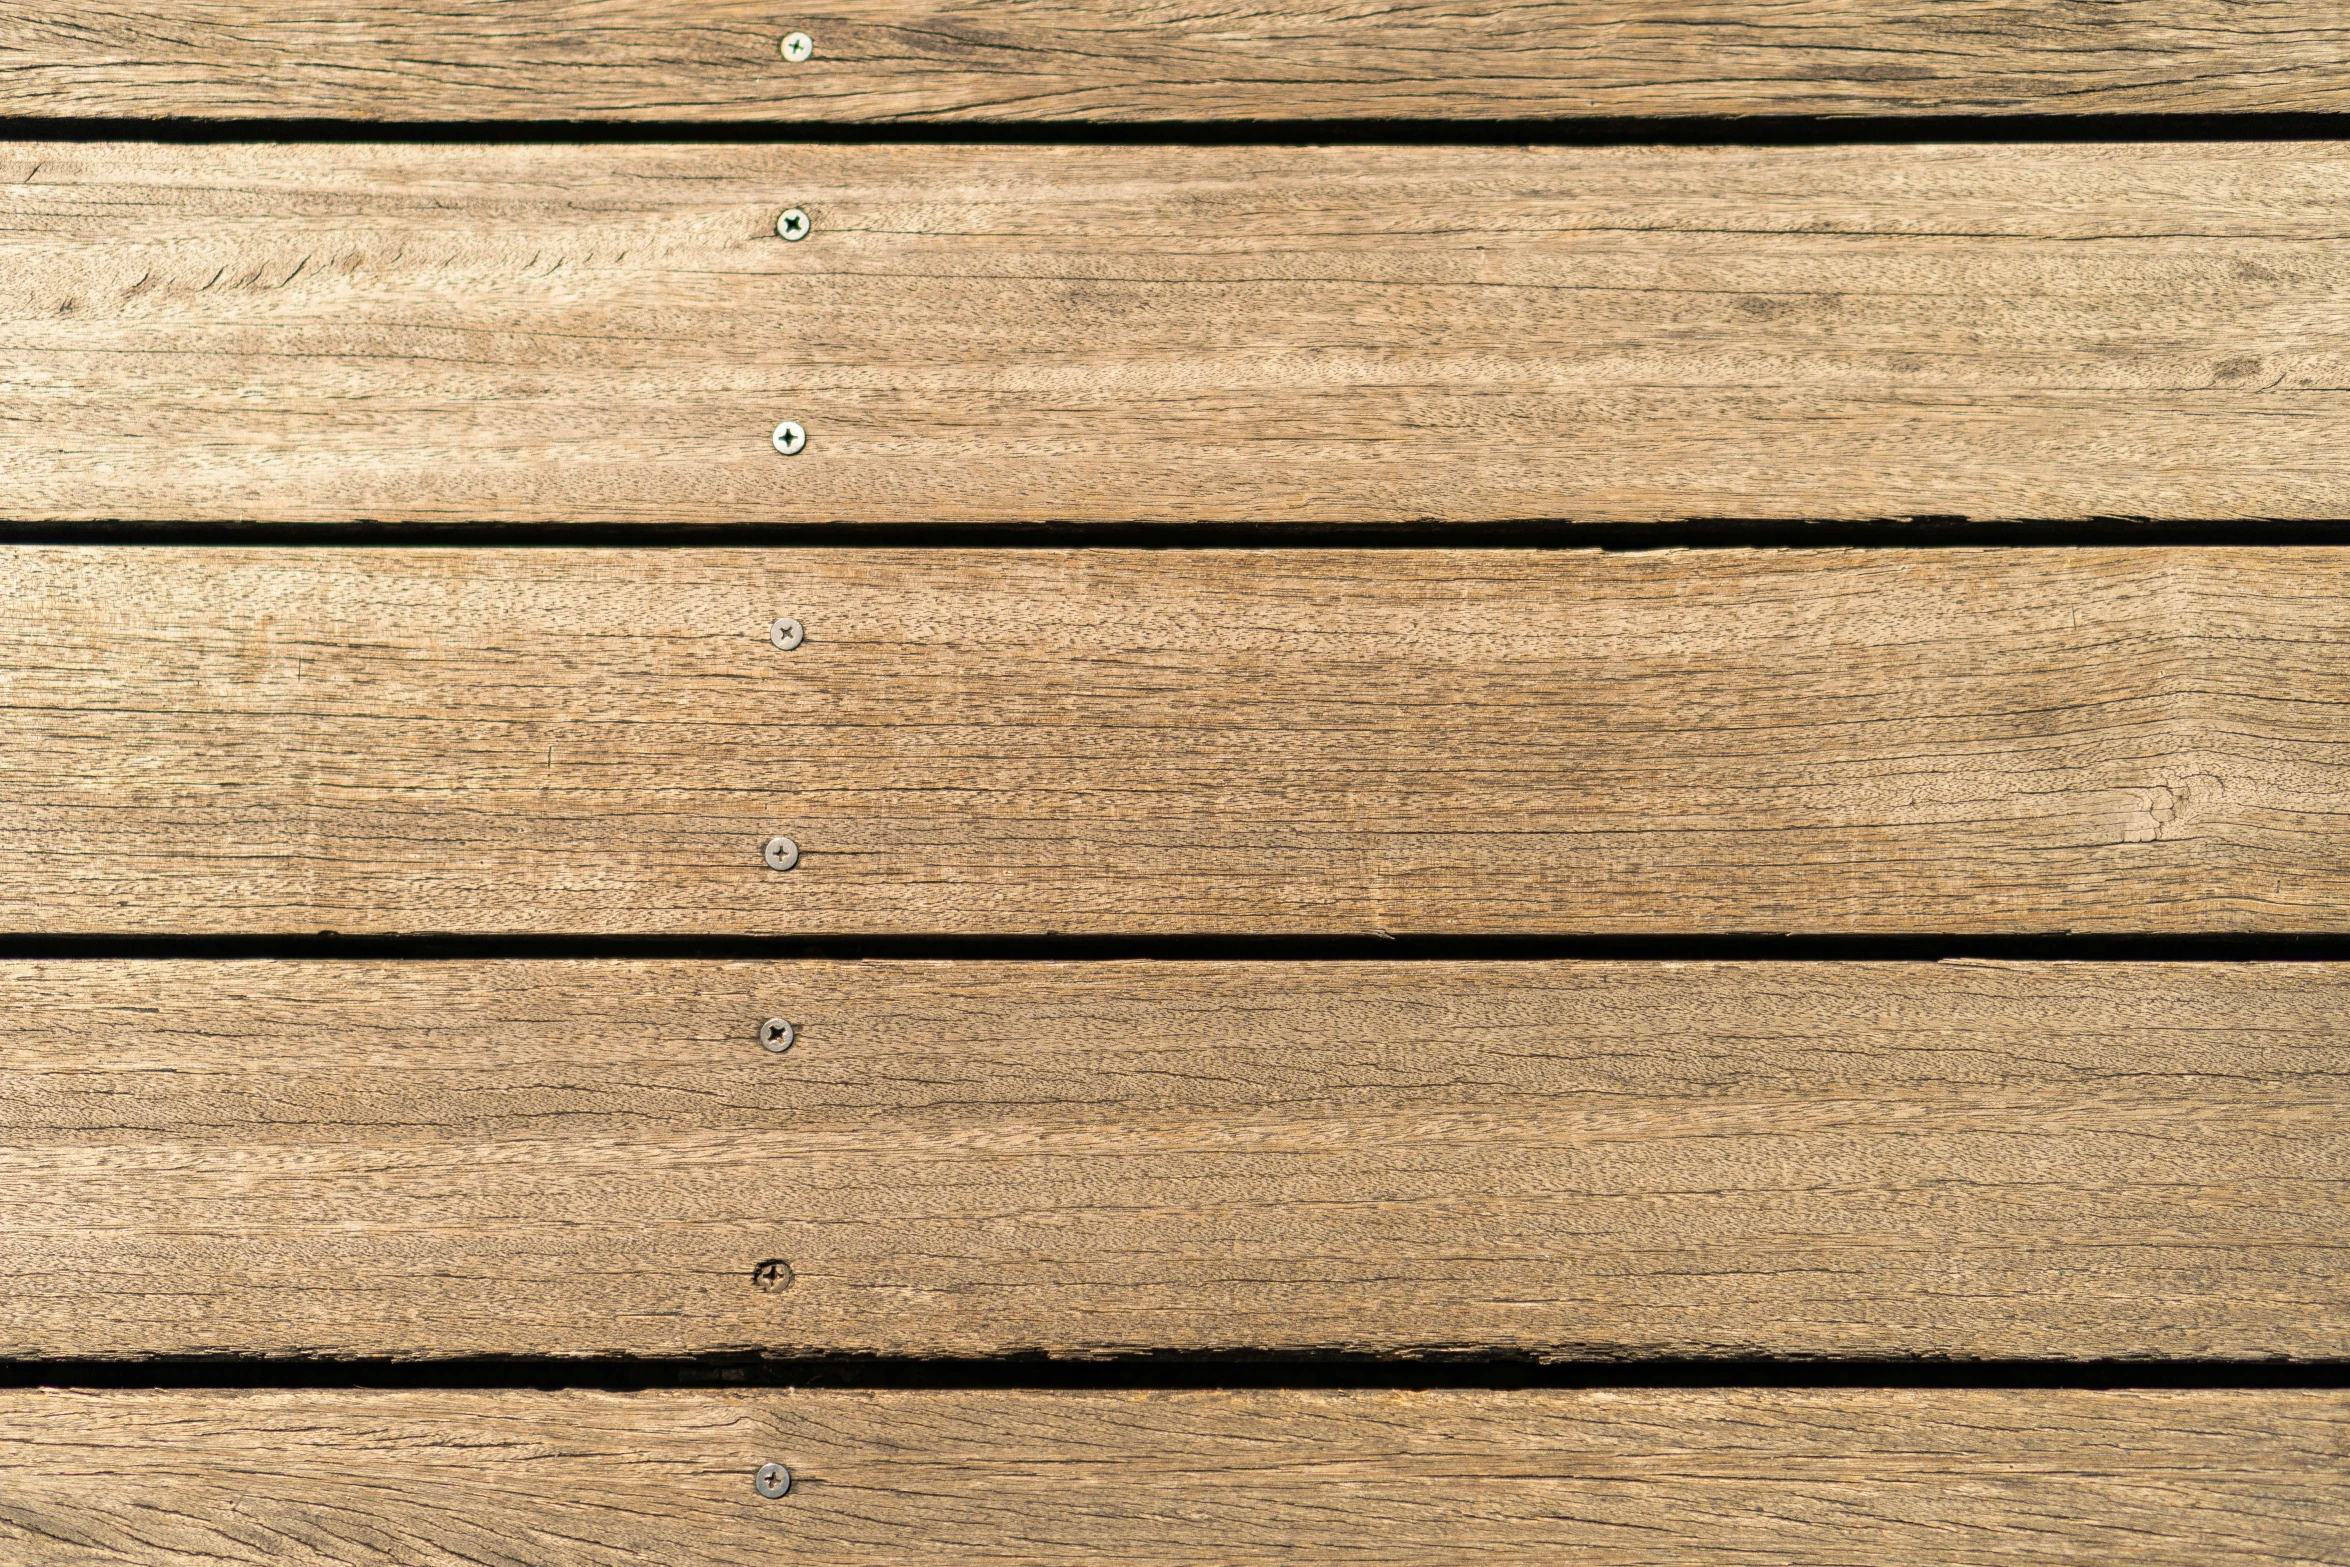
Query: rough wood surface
(1101, 60)
(1240, 334)
(1567, 1160)
(1646, 1478)
(214, 741)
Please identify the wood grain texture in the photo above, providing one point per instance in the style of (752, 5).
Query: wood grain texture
(881, 60)
(1565, 1160)
(1168, 334)
(1648, 1478)
(219, 741)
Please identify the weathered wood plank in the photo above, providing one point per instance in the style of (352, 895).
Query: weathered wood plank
(209, 741)
(1101, 60)
(1566, 1160)
(1951, 1478)
(1024, 334)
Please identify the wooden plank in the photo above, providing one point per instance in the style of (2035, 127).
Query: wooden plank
(1556, 1159)
(1950, 1478)
(1232, 334)
(226, 741)
(883, 60)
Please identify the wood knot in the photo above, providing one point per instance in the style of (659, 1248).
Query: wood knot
(2166, 813)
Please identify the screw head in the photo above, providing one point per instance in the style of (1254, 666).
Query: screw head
(787, 634)
(789, 438)
(796, 47)
(772, 1275)
(794, 226)
(781, 854)
(772, 1481)
(777, 1035)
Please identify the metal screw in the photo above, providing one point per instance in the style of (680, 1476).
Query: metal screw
(789, 438)
(787, 633)
(773, 1274)
(794, 226)
(772, 1481)
(797, 47)
(781, 854)
(777, 1035)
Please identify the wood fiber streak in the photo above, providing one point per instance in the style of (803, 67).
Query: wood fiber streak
(884, 60)
(609, 334)
(993, 743)
(1561, 1159)
(1649, 1478)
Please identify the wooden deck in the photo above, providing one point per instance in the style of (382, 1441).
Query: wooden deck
(1049, 783)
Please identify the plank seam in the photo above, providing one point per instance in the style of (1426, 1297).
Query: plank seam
(1758, 130)
(2229, 947)
(1899, 533)
(1163, 1370)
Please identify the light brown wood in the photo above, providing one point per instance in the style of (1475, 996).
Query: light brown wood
(207, 741)
(1236, 334)
(1567, 1160)
(1095, 60)
(1949, 1478)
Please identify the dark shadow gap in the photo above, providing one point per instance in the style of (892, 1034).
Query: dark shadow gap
(1702, 533)
(1758, 947)
(1792, 130)
(1165, 1369)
